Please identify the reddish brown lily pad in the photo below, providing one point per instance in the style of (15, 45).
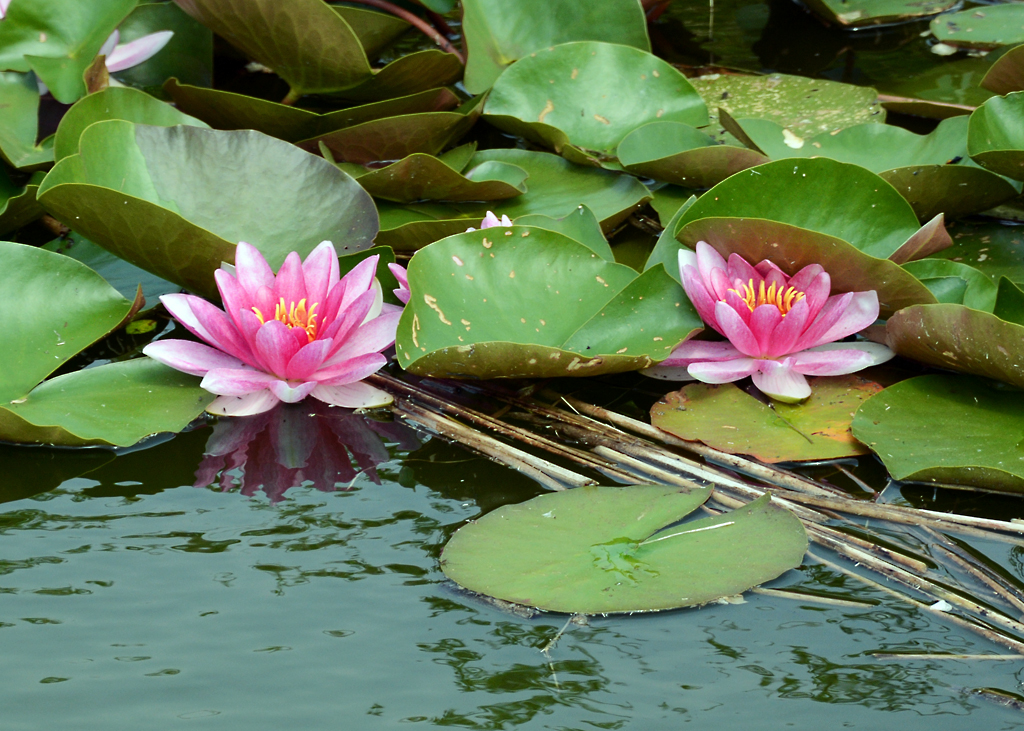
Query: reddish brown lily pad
(727, 418)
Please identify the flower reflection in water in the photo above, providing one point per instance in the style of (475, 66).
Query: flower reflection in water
(295, 444)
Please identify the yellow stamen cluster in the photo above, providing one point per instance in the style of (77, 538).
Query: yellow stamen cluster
(295, 315)
(784, 299)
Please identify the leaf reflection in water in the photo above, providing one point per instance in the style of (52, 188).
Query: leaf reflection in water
(298, 443)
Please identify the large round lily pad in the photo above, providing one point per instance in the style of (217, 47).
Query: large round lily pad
(727, 418)
(600, 550)
(168, 199)
(862, 13)
(985, 27)
(947, 429)
(573, 93)
(114, 103)
(933, 171)
(529, 302)
(499, 33)
(996, 136)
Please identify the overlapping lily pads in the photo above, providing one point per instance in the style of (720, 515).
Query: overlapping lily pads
(982, 27)
(953, 282)
(729, 419)
(933, 172)
(310, 46)
(18, 204)
(555, 187)
(598, 550)
(571, 96)
(115, 404)
(19, 124)
(815, 211)
(949, 430)
(528, 302)
(188, 55)
(996, 136)
(166, 198)
(499, 33)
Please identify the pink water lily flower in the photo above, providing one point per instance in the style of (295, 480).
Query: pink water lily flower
(779, 328)
(306, 331)
(490, 221)
(121, 56)
(402, 293)
(3, 8)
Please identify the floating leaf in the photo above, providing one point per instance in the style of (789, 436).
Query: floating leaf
(555, 188)
(525, 302)
(375, 30)
(114, 103)
(580, 225)
(572, 94)
(166, 198)
(58, 39)
(996, 137)
(18, 204)
(992, 248)
(805, 106)
(727, 418)
(407, 75)
(499, 33)
(985, 27)
(227, 110)
(933, 171)
(964, 284)
(947, 429)
(188, 55)
(1007, 73)
(124, 277)
(599, 550)
(678, 153)
(19, 124)
(863, 13)
(424, 177)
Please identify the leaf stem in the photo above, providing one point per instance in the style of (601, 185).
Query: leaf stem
(417, 22)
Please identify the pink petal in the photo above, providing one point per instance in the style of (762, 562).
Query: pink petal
(860, 312)
(763, 321)
(739, 268)
(701, 350)
(837, 359)
(141, 49)
(236, 381)
(353, 396)
(702, 299)
(276, 346)
(718, 283)
(736, 330)
(359, 279)
(321, 272)
(3, 8)
(351, 370)
(816, 292)
(778, 380)
(189, 357)
(788, 332)
(252, 269)
(351, 318)
(250, 405)
(803, 278)
(290, 285)
(290, 393)
(233, 296)
(373, 337)
(709, 260)
(207, 322)
(829, 314)
(725, 371)
(686, 258)
(402, 293)
(108, 45)
(309, 358)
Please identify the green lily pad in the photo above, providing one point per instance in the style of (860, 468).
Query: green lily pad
(953, 282)
(981, 27)
(668, 200)
(601, 550)
(992, 248)
(947, 429)
(677, 153)
(117, 404)
(124, 103)
(187, 56)
(425, 177)
(499, 33)
(525, 302)
(572, 94)
(1007, 73)
(862, 13)
(580, 225)
(18, 205)
(555, 188)
(19, 124)
(375, 30)
(407, 75)
(792, 248)
(727, 418)
(805, 106)
(124, 277)
(227, 110)
(58, 39)
(167, 198)
(995, 136)
(933, 171)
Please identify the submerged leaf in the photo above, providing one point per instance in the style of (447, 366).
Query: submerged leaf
(599, 550)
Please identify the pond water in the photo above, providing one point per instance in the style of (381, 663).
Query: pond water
(130, 599)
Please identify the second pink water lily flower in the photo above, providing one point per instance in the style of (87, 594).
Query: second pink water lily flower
(306, 331)
(779, 328)
(491, 220)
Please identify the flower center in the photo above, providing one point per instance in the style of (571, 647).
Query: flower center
(784, 299)
(294, 315)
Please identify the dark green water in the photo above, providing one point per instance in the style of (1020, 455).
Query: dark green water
(130, 599)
